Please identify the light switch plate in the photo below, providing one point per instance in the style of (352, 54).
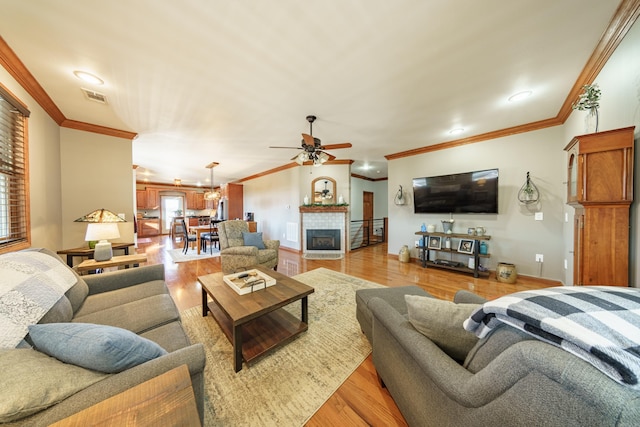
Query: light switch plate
(539, 216)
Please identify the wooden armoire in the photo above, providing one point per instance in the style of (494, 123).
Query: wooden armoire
(600, 188)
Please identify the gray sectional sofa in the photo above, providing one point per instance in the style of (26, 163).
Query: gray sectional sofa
(137, 300)
(507, 378)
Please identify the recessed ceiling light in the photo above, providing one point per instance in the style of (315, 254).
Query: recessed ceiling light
(520, 96)
(456, 131)
(88, 77)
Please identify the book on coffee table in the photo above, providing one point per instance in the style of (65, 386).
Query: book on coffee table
(245, 282)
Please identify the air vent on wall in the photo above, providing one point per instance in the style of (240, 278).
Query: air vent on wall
(94, 96)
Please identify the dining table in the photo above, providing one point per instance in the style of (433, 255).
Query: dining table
(199, 229)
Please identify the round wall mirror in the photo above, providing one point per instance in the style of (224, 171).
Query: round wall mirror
(324, 190)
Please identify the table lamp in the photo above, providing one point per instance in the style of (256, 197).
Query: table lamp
(102, 226)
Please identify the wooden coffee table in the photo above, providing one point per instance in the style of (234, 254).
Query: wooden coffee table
(255, 323)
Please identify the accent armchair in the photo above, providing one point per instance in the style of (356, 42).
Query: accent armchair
(236, 256)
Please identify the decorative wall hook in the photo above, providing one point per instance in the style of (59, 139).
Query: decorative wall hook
(529, 192)
(400, 198)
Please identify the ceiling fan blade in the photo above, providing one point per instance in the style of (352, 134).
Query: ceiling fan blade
(293, 148)
(336, 146)
(308, 140)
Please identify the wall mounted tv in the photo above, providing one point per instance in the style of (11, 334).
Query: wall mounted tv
(462, 193)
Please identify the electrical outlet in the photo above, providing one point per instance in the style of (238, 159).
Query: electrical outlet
(566, 264)
(539, 258)
(539, 216)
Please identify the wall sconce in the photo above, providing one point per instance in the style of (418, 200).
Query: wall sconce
(400, 198)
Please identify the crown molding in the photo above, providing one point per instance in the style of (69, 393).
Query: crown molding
(16, 68)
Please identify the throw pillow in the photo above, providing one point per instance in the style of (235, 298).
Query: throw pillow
(253, 239)
(441, 322)
(98, 347)
(32, 381)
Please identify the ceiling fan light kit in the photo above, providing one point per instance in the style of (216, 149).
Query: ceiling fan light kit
(312, 149)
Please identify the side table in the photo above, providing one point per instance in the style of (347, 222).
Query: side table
(166, 400)
(87, 252)
(116, 261)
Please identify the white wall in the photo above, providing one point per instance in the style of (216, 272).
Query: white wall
(515, 236)
(44, 170)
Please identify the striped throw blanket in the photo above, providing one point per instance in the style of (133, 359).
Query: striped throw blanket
(599, 324)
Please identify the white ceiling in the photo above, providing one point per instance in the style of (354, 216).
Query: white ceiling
(214, 80)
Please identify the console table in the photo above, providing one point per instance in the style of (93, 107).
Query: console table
(116, 261)
(425, 249)
(87, 252)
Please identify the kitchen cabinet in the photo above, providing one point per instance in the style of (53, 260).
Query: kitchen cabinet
(153, 198)
(148, 227)
(233, 195)
(195, 200)
(141, 199)
(148, 198)
(600, 188)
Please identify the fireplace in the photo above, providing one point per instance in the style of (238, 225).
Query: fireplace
(323, 240)
(323, 231)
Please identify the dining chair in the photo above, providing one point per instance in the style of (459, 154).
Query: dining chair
(188, 238)
(211, 237)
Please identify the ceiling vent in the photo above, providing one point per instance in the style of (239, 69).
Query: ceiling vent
(94, 96)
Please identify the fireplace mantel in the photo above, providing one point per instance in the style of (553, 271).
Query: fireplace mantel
(320, 208)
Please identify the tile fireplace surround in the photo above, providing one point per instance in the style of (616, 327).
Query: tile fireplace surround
(323, 218)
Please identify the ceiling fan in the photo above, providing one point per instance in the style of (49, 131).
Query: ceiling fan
(312, 148)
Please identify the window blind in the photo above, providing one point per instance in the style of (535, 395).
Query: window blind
(14, 196)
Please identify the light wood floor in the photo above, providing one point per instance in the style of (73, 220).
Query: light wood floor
(360, 401)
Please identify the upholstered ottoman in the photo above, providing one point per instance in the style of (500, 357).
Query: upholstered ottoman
(394, 296)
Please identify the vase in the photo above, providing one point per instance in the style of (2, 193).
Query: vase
(591, 121)
(506, 273)
(403, 255)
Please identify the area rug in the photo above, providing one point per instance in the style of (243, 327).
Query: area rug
(287, 386)
(191, 255)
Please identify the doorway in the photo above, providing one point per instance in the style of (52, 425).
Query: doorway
(168, 206)
(367, 214)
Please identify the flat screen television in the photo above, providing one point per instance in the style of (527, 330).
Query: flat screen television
(462, 193)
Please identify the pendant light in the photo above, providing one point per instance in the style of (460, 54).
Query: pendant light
(211, 194)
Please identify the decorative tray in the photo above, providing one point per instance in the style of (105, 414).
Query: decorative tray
(245, 282)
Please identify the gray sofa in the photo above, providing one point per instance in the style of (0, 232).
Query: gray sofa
(136, 300)
(507, 378)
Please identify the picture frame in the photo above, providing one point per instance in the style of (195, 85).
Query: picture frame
(434, 242)
(465, 246)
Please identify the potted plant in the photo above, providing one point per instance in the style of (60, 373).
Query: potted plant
(589, 99)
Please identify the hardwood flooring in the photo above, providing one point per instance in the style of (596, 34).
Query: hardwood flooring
(360, 401)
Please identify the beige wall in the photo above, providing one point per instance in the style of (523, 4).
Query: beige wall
(44, 170)
(96, 173)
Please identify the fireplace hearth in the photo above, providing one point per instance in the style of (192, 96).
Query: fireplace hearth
(323, 240)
